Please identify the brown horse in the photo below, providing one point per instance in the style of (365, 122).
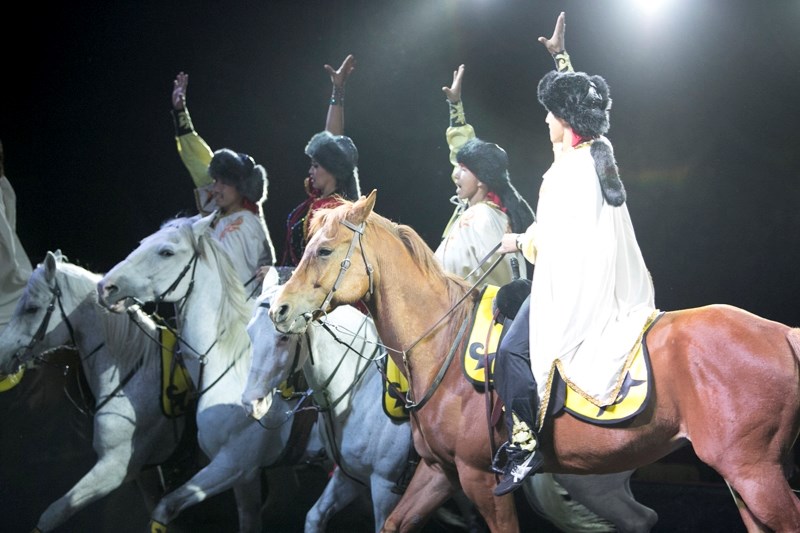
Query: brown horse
(723, 379)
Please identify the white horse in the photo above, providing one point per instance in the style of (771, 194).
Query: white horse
(122, 367)
(182, 263)
(333, 360)
(369, 448)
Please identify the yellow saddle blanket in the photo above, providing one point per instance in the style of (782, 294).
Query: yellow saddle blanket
(485, 337)
(176, 383)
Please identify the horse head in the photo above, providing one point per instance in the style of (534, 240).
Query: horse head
(334, 269)
(38, 322)
(160, 269)
(275, 356)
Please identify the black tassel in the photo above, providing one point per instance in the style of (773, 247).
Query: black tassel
(607, 172)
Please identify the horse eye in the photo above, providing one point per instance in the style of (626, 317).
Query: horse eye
(166, 253)
(32, 310)
(324, 252)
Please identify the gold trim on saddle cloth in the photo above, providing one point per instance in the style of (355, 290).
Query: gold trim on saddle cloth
(484, 338)
(9, 381)
(631, 391)
(394, 398)
(175, 380)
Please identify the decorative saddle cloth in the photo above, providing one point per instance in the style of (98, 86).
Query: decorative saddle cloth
(176, 383)
(485, 337)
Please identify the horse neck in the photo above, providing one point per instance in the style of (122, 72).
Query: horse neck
(203, 335)
(407, 307)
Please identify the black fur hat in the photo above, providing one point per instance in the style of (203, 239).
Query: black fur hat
(338, 155)
(582, 101)
(240, 171)
(489, 163)
(486, 160)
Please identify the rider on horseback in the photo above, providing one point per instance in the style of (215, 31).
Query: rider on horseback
(591, 291)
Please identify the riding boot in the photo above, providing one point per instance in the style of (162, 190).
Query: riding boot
(516, 386)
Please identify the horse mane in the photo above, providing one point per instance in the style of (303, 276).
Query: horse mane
(126, 343)
(419, 250)
(234, 312)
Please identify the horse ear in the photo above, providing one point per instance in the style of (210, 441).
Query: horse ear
(201, 226)
(50, 261)
(362, 208)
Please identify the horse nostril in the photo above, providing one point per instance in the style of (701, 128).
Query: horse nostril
(281, 312)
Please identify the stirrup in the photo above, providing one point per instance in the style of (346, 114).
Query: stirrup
(496, 459)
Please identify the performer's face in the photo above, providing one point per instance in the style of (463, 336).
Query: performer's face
(466, 183)
(227, 197)
(557, 127)
(321, 179)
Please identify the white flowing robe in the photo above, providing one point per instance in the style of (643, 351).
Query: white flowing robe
(591, 292)
(15, 267)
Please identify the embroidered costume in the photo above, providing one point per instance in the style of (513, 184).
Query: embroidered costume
(242, 234)
(474, 230)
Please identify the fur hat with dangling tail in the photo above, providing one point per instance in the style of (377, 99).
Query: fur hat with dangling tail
(583, 102)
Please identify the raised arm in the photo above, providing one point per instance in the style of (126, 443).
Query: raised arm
(335, 119)
(458, 131)
(193, 150)
(556, 45)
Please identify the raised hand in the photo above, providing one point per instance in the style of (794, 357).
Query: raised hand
(339, 77)
(453, 93)
(179, 91)
(556, 44)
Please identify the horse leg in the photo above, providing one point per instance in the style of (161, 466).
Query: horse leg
(428, 489)
(338, 493)
(248, 504)
(106, 475)
(609, 497)
(499, 512)
(765, 500)
(211, 480)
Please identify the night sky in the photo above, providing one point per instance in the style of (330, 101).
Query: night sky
(705, 95)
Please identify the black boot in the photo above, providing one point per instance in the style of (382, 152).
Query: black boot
(523, 458)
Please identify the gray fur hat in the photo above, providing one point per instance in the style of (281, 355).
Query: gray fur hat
(240, 171)
(488, 161)
(338, 155)
(582, 101)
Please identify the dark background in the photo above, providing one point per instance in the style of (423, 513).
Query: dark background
(706, 96)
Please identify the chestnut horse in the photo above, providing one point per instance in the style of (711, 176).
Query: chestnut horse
(723, 379)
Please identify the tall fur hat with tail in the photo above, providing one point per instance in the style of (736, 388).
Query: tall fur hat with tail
(583, 102)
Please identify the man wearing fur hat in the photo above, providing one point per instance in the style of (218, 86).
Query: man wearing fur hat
(487, 203)
(230, 187)
(333, 174)
(591, 292)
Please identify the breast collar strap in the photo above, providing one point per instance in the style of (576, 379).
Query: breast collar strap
(358, 232)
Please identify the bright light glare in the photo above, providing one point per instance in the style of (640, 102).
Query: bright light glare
(649, 7)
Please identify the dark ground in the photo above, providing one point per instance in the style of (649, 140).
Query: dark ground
(46, 447)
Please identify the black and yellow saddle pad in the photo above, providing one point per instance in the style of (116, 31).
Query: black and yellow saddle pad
(484, 338)
(9, 381)
(176, 383)
(394, 396)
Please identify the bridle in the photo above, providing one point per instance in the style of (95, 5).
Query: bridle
(410, 404)
(358, 233)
